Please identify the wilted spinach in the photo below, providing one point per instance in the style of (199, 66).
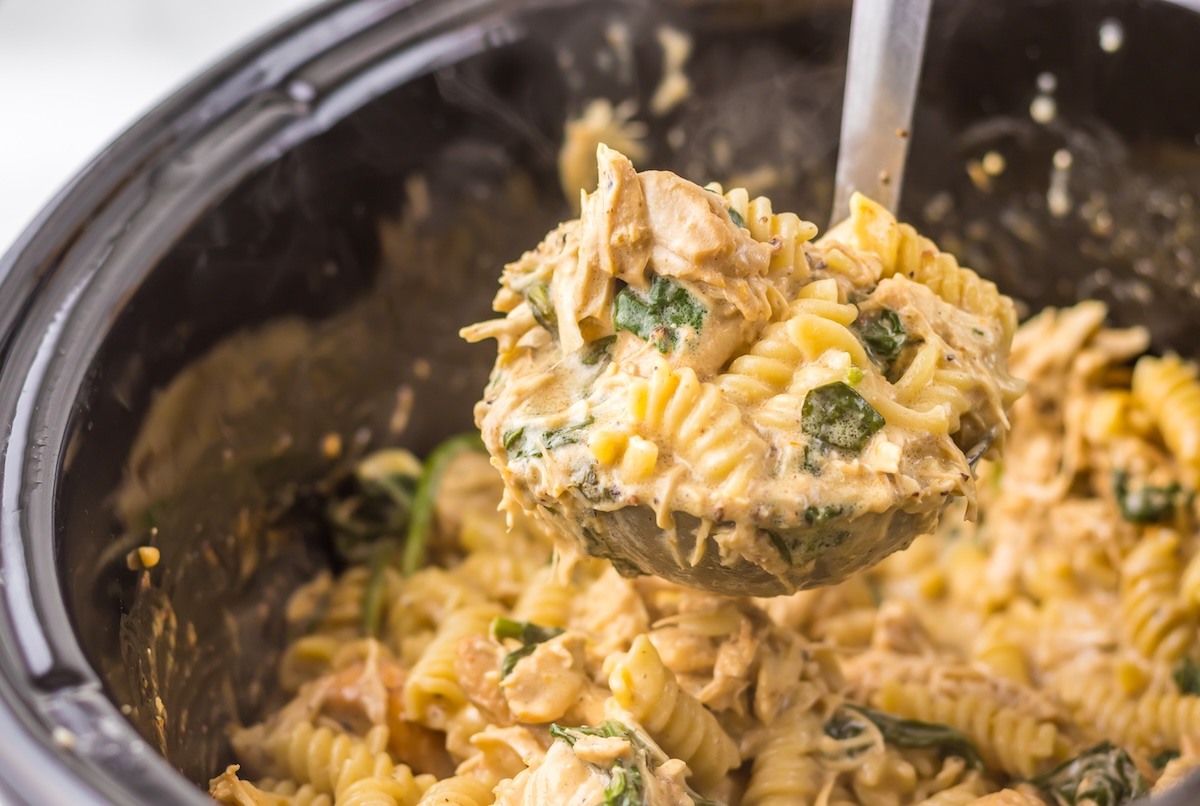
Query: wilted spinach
(1187, 676)
(847, 723)
(524, 443)
(528, 633)
(840, 416)
(421, 522)
(1145, 504)
(883, 335)
(542, 306)
(660, 315)
(1103, 775)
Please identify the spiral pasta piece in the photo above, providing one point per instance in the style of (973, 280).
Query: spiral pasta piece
(901, 250)
(1154, 621)
(331, 761)
(401, 788)
(685, 729)
(786, 232)
(1167, 388)
(287, 792)
(701, 426)
(460, 790)
(432, 690)
(1010, 741)
(785, 773)
(816, 322)
(1189, 585)
(545, 600)
(1149, 723)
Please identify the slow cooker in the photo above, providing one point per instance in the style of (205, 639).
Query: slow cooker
(277, 260)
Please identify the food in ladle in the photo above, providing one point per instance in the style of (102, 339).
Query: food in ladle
(689, 385)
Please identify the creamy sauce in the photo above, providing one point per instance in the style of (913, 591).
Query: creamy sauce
(695, 354)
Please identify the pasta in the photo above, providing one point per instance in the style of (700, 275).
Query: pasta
(461, 790)
(810, 403)
(1009, 741)
(331, 761)
(1045, 652)
(1169, 392)
(432, 691)
(677, 721)
(1155, 620)
(785, 773)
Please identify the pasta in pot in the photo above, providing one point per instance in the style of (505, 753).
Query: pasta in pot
(1047, 649)
(695, 353)
(1047, 653)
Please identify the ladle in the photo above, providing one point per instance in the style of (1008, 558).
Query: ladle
(887, 39)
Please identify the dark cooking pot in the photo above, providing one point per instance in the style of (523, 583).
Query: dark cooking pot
(285, 249)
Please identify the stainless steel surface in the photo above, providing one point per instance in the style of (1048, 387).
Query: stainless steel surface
(887, 45)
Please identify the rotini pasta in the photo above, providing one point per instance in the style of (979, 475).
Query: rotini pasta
(331, 762)
(902, 251)
(1167, 388)
(642, 685)
(545, 600)
(692, 418)
(1154, 621)
(461, 790)
(1016, 743)
(432, 691)
(786, 771)
(1149, 723)
(1051, 644)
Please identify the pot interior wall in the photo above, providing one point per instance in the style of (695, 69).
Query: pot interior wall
(323, 295)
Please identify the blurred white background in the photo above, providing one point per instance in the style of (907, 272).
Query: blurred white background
(76, 73)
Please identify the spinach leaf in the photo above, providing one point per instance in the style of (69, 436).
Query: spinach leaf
(1161, 760)
(542, 307)
(780, 545)
(625, 787)
(374, 595)
(1103, 775)
(513, 658)
(905, 733)
(1145, 504)
(593, 353)
(737, 218)
(837, 414)
(883, 335)
(567, 435)
(1187, 676)
(660, 316)
(526, 632)
(816, 515)
(610, 729)
(626, 784)
(843, 725)
(512, 438)
(421, 522)
(813, 459)
(376, 502)
(521, 443)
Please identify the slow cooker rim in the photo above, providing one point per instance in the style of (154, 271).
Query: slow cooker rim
(38, 762)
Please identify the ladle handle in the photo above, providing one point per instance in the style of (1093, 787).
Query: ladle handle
(887, 42)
